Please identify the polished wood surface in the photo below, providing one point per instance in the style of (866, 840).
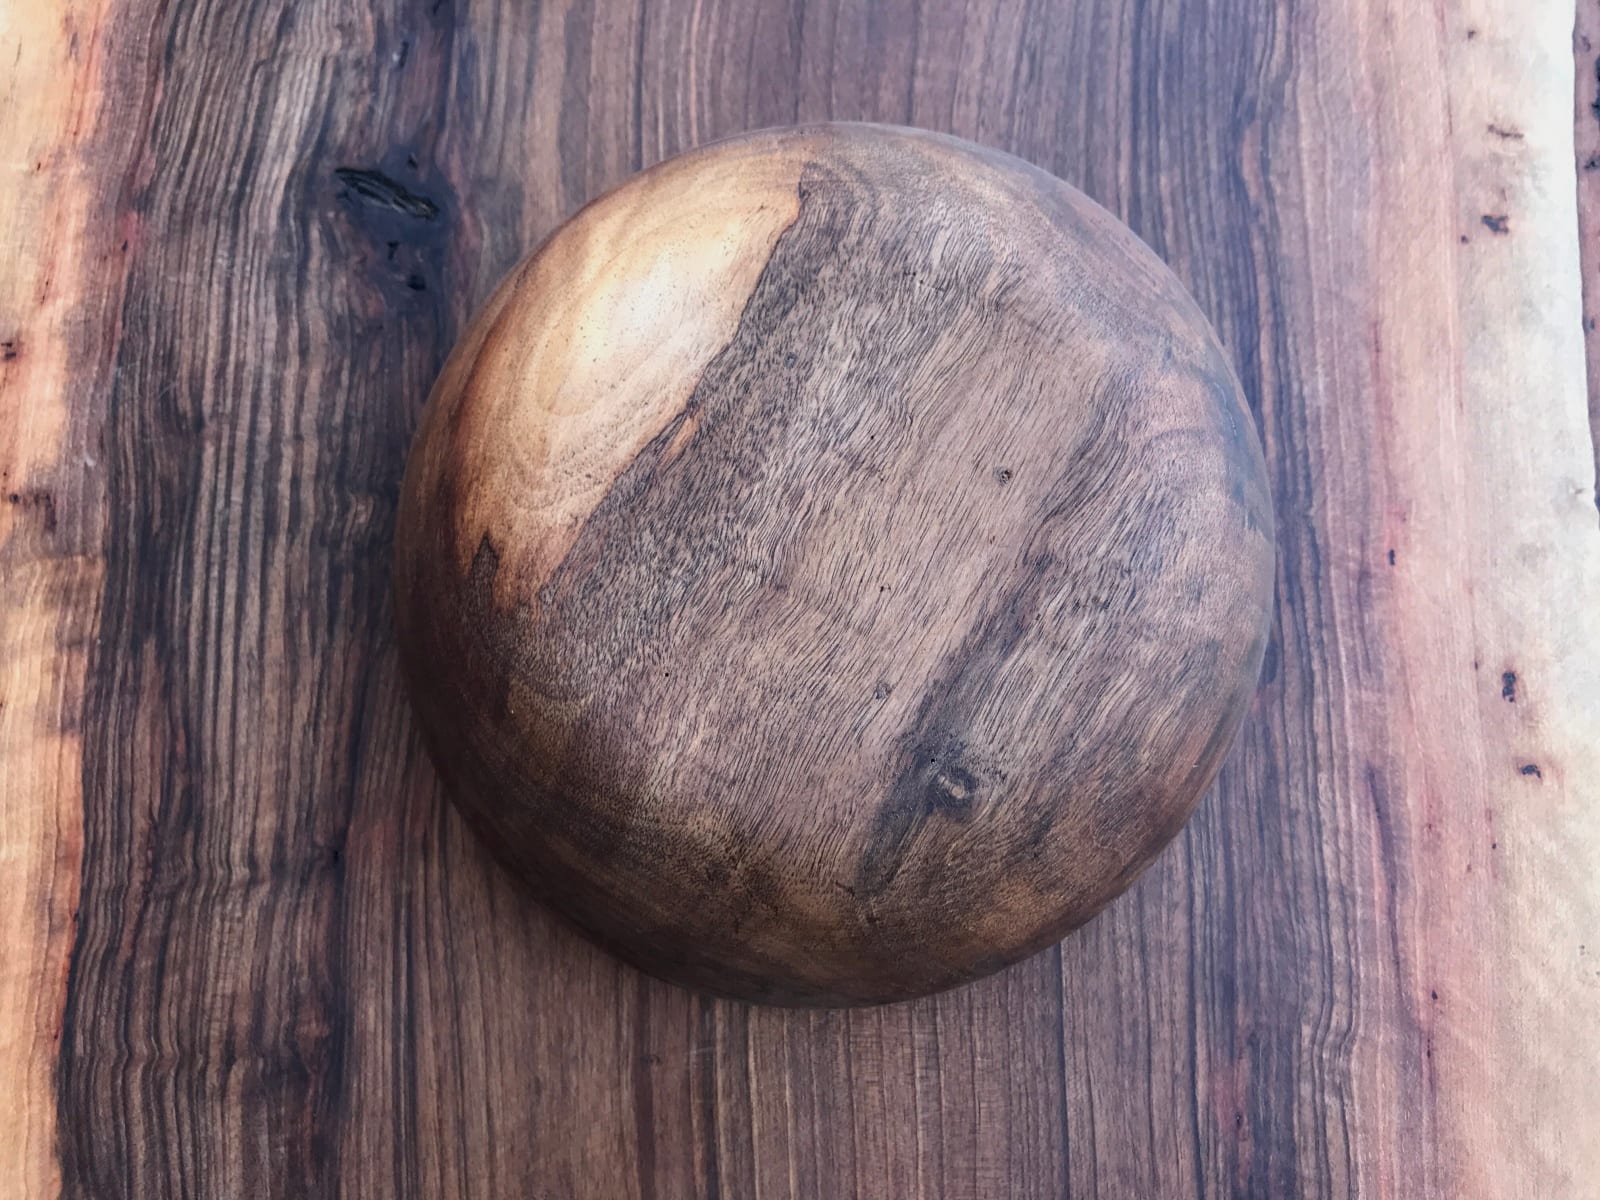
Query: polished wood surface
(250, 950)
(834, 564)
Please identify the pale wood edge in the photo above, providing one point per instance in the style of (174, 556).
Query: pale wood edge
(1513, 923)
(52, 310)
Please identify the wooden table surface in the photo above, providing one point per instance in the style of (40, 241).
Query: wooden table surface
(248, 949)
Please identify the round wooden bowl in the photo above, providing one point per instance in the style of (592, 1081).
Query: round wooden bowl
(834, 564)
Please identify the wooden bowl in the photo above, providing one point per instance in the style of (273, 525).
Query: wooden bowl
(834, 564)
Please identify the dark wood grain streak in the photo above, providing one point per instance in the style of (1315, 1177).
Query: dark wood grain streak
(1586, 153)
(1366, 968)
(252, 434)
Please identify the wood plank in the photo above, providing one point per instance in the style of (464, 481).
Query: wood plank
(1369, 966)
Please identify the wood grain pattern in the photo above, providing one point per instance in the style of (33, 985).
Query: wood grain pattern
(834, 565)
(1366, 968)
